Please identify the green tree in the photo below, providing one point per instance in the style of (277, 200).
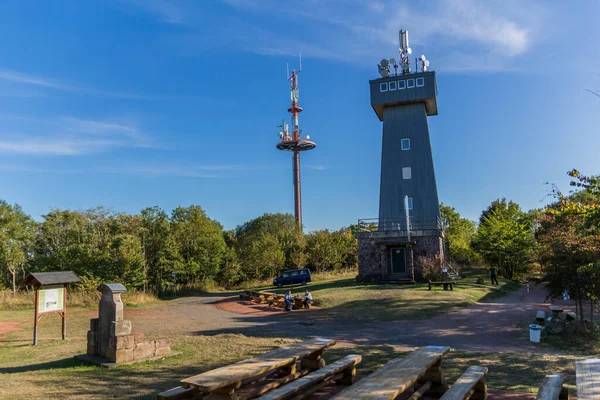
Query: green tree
(570, 237)
(201, 246)
(287, 239)
(504, 238)
(16, 235)
(459, 233)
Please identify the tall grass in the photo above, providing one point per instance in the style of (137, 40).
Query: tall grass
(75, 298)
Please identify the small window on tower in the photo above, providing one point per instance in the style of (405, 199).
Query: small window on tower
(383, 87)
(392, 85)
(405, 144)
(410, 203)
(410, 83)
(406, 173)
(401, 85)
(420, 82)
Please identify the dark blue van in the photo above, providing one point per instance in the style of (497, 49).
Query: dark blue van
(293, 277)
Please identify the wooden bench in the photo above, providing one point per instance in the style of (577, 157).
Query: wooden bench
(552, 388)
(540, 316)
(342, 371)
(556, 310)
(400, 374)
(588, 379)
(470, 385)
(222, 382)
(446, 285)
(272, 299)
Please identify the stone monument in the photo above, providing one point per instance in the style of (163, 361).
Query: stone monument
(110, 341)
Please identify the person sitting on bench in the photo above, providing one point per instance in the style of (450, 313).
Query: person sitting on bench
(307, 299)
(289, 300)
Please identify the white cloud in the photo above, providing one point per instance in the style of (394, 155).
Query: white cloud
(20, 78)
(489, 34)
(69, 136)
(317, 167)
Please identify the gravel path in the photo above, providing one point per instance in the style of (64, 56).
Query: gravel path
(501, 325)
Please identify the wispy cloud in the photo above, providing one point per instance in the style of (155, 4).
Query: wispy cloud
(317, 167)
(69, 136)
(54, 84)
(488, 35)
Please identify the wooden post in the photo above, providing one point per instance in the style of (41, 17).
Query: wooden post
(35, 320)
(64, 314)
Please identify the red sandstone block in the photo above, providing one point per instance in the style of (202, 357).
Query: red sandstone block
(138, 337)
(159, 343)
(120, 356)
(162, 351)
(91, 338)
(91, 350)
(94, 322)
(121, 342)
(144, 350)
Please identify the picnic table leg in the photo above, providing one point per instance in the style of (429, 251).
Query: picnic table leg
(225, 393)
(289, 370)
(480, 390)
(348, 377)
(313, 361)
(435, 375)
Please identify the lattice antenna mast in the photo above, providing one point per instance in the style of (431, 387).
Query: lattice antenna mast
(295, 109)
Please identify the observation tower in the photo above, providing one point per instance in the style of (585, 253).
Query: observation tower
(293, 142)
(408, 227)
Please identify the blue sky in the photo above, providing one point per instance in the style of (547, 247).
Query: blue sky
(137, 103)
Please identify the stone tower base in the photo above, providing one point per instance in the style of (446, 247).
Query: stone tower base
(375, 257)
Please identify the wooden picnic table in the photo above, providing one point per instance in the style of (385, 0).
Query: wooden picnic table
(399, 375)
(588, 379)
(227, 379)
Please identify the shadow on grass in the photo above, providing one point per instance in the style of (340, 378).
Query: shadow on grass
(64, 363)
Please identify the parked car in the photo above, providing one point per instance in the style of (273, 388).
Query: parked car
(293, 277)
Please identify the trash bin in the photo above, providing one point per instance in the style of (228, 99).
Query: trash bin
(534, 333)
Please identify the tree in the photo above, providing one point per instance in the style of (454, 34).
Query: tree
(16, 235)
(459, 233)
(570, 236)
(281, 231)
(504, 238)
(201, 246)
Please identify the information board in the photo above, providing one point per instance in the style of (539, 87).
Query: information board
(51, 299)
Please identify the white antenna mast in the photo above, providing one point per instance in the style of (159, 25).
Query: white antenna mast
(300, 62)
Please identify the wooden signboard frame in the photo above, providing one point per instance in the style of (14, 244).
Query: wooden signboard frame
(50, 296)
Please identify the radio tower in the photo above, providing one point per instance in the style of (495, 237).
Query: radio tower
(294, 142)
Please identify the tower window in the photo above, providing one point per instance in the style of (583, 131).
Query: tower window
(392, 85)
(383, 87)
(420, 82)
(405, 144)
(406, 173)
(401, 85)
(410, 83)
(410, 203)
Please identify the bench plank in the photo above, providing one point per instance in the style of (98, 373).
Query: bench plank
(551, 387)
(465, 383)
(234, 373)
(396, 376)
(588, 379)
(293, 388)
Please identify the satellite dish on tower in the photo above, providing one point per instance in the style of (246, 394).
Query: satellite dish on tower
(409, 50)
(392, 61)
(384, 63)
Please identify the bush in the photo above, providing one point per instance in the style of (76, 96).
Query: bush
(431, 268)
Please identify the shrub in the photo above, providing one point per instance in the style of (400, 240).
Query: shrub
(431, 268)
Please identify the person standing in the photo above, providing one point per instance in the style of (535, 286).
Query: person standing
(494, 275)
(307, 299)
(289, 300)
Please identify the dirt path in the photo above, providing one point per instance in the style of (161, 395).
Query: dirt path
(501, 325)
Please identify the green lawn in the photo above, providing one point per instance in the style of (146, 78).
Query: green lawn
(344, 298)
